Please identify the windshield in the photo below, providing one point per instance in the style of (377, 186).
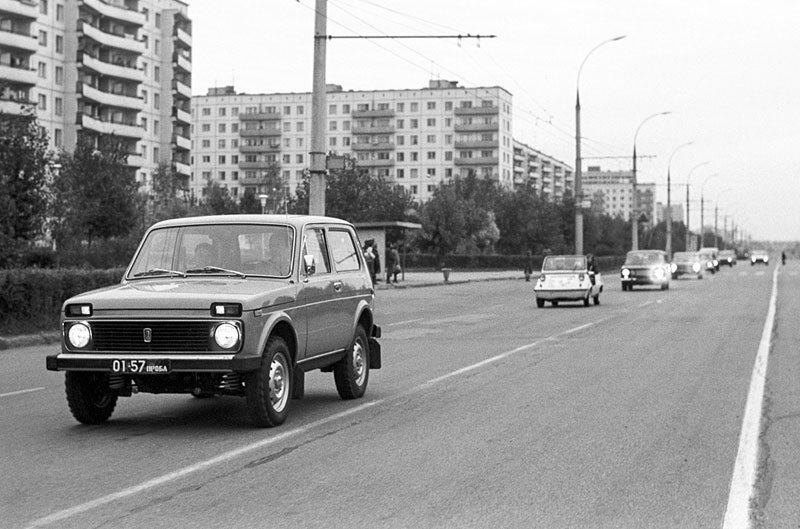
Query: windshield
(564, 262)
(683, 257)
(644, 258)
(230, 249)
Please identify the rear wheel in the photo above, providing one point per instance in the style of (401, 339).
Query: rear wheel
(539, 303)
(90, 399)
(351, 373)
(586, 301)
(268, 390)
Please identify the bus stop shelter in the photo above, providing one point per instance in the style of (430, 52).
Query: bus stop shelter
(377, 232)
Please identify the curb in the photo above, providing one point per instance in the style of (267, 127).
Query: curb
(27, 340)
(445, 283)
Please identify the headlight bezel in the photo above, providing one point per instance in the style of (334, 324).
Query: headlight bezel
(227, 332)
(78, 341)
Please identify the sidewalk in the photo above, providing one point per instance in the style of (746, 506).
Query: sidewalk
(436, 278)
(412, 279)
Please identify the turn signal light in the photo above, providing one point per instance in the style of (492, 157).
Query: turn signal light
(226, 310)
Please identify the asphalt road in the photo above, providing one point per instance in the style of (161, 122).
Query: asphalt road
(489, 412)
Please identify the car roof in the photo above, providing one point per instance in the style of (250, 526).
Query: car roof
(293, 220)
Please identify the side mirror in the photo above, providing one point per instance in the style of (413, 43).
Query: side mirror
(309, 265)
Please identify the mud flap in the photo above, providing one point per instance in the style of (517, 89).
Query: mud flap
(374, 354)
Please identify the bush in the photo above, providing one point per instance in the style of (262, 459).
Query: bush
(31, 299)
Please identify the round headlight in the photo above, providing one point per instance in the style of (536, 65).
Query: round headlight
(659, 273)
(79, 335)
(696, 267)
(226, 335)
(625, 272)
(673, 267)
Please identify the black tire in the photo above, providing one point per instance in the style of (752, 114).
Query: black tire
(586, 301)
(554, 303)
(90, 399)
(268, 390)
(539, 303)
(596, 299)
(664, 286)
(351, 373)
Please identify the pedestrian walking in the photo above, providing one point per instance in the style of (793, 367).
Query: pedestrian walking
(376, 270)
(392, 264)
(369, 257)
(528, 270)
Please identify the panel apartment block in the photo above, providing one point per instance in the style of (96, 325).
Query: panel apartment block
(415, 138)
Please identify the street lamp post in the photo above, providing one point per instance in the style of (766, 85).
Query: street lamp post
(263, 197)
(703, 208)
(688, 232)
(635, 208)
(578, 187)
(669, 199)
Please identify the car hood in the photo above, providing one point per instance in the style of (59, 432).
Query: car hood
(189, 294)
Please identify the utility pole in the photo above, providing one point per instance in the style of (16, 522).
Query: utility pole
(316, 198)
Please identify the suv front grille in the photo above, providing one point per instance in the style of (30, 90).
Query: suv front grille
(177, 335)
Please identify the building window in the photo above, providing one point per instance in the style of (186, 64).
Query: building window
(58, 137)
(300, 126)
(234, 143)
(414, 107)
(299, 110)
(401, 173)
(413, 140)
(221, 111)
(157, 47)
(431, 122)
(345, 109)
(59, 110)
(157, 71)
(206, 159)
(234, 127)
(431, 155)
(346, 141)
(206, 127)
(59, 12)
(431, 105)
(299, 142)
(299, 158)
(155, 154)
(59, 44)
(413, 124)
(287, 158)
(156, 100)
(400, 124)
(401, 157)
(59, 75)
(42, 102)
(430, 138)
(220, 144)
(158, 20)
(206, 144)
(287, 127)
(234, 158)
(221, 159)
(221, 128)
(234, 175)
(413, 189)
(42, 38)
(431, 172)
(234, 111)
(448, 105)
(331, 141)
(42, 70)
(43, 7)
(448, 156)
(206, 111)
(332, 126)
(414, 156)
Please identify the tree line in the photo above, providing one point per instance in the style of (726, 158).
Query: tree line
(85, 208)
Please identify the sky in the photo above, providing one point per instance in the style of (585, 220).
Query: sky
(727, 71)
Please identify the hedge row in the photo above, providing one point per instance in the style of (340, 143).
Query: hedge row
(31, 298)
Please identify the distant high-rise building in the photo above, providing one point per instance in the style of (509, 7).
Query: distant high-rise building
(551, 178)
(416, 138)
(112, 70)
(611, 193)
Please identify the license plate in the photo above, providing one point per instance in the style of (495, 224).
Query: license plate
(140, 366)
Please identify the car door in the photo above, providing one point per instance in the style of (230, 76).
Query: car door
(317, 293)
(351, 277)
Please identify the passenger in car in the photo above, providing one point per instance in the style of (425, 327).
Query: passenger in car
(204, 255)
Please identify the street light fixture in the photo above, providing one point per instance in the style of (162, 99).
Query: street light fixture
(669, 199)
(635, 208)
(703, 208)
(578, 190)
(688, 232)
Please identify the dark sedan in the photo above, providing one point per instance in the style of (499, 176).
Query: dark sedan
(645, 267)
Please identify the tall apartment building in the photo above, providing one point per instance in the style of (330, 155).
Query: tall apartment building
(416, 138)
(108, 69)
(611, 192)
(551, 178)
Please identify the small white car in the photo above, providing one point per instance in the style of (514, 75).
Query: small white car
(567, 278)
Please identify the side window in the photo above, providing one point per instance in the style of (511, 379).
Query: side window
(345, 254)
(314, 244)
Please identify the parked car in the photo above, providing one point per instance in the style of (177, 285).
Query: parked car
(759, 256)
(714, 251)
(239, 305)
(567, 278)
(645, 267)
(727, 257)
(688, 263)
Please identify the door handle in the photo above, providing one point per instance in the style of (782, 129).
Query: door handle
(337, 286)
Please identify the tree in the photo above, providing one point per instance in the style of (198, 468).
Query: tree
(24, 164)
(94, 195)
(216, 201)
(168, 195)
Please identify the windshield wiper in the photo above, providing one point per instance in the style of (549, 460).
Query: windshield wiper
(215, 270)
(160, 271)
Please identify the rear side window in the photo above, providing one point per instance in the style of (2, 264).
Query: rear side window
(315, 245)
(343, 250)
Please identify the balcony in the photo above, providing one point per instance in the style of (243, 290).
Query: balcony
(272, 147)
(478, 144)
(127, 42)
(111, 70)
(389, 129)
(381, 146)
(476, 111)
(109, 99)
(488, 160)
(245, 133)
(17, 108)
(388, 113)
(19, 41)
(22, 9)
(105, 127)
(375, 162)
(182, 63)
(478, 127)
(256, 165)
(182, 169)
(181, 89)
(260, 116)
(181, 116)
(181, 143)
(20, 76)
(120, 14)
(182, 37)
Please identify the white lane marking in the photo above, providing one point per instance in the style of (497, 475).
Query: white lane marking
(222, 458)
(646, 303)
(226, 456)
(20, 392)
(403, 322)
(743, 480)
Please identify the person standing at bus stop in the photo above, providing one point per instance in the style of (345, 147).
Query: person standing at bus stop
(392, 263)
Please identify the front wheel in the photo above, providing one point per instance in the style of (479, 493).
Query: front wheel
(351, 373)
(268, 390)
(90, 399)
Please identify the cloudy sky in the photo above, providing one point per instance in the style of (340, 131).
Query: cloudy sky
(726, 70)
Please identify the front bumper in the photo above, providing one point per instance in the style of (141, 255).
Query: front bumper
(641, 280)
(562, 295)
(211, 363)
